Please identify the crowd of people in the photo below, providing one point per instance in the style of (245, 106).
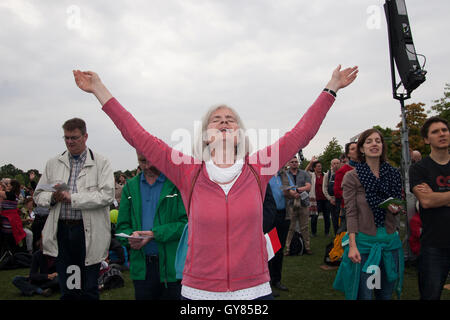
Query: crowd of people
(26, 225)
(208, 216)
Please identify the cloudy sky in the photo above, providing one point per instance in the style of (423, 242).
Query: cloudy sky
(168, 61)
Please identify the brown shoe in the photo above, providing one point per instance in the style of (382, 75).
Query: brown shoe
(308, 252)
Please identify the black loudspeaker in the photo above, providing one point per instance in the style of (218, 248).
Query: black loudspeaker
(402, 46)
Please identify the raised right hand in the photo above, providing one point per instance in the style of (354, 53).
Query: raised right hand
(86, 80)
(89, 81)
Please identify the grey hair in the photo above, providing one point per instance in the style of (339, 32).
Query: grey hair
(201, 148)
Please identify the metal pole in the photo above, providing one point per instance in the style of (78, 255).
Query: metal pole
(406, 157)
(406, 163)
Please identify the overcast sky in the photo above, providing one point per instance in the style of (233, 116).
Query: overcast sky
(168, 61)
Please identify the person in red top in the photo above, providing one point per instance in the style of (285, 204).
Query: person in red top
(322, 203)
(351, 154)
(415, 227)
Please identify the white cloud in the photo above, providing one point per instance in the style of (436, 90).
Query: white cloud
(168, 61)
(23, 10)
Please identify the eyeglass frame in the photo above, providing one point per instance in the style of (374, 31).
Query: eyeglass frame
(73, 138)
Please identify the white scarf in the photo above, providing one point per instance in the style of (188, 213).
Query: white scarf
(224, 175)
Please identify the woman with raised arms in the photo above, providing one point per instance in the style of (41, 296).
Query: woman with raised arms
(222, 186)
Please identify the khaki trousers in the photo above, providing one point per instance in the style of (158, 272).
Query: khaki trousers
(302, 216)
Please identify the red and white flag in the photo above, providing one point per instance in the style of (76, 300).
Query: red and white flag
(272, 243)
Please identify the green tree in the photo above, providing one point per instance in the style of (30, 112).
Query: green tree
(442, 105)
(9, 171)
(415, 118)
(21, 178)
(332, 150)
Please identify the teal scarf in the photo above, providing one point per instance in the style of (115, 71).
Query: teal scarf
(383, 245)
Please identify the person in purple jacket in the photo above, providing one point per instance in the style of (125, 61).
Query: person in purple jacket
(222, 187)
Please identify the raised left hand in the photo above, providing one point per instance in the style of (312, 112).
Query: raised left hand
(342, 78)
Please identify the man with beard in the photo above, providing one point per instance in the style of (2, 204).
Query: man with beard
(153, 214)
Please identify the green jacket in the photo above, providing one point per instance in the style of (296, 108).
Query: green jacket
(169, 223)
(379, 248)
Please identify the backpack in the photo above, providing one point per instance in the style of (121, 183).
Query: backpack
(297, 245)
(334, 251)
(111, 278)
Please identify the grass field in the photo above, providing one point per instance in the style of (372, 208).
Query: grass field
(301, 274)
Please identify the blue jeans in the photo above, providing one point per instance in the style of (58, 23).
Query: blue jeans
(72, 252)
(28, 289)
(433, 267)
(384, 292)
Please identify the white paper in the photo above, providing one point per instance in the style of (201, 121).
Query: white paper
(46, 187)
(123, 235)
(51, 187)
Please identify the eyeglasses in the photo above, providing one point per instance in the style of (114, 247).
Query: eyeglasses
(73, 138)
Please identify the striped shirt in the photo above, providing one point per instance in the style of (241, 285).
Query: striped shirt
(76, 164)
(8, 205)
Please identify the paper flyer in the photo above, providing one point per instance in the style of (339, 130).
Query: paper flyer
(390, 200)
(123, 235)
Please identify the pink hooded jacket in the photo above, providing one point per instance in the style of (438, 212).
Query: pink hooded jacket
(226, 244)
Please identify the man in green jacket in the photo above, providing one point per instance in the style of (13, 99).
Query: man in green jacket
(153, 214)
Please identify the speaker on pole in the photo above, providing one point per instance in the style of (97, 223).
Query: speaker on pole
(402, 46)
(402, 51)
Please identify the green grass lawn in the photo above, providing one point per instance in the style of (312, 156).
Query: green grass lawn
(301, 274)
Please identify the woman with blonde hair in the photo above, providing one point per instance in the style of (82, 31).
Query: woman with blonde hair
(223, 187)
